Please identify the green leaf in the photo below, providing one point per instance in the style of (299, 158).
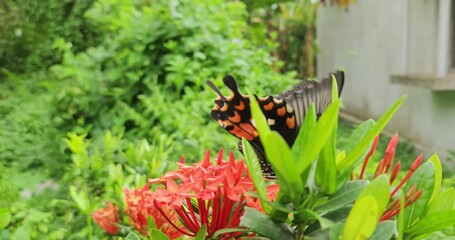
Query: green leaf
(384, 230)
(326, 170)
(133, 236)
(443, 201)
(280, 157)
(80, 198)
(362, 219)
(5, 217)
(258, 116)
(254, 168)
(346, 195)
(202, 233)
(265, 226)
(367, 209)
(353, 157)
(335, 232)
(358, 134)
(228, 230)
(437, 175)
(432, 223)
(309, 122)
(278, 153)
(318, 136)
(423, 178)
(156, 234)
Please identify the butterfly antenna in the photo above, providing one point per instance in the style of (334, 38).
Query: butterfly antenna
(215, 89)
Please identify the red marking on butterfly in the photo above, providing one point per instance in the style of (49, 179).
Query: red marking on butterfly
(284, 113)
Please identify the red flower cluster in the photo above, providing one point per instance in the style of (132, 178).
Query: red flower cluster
(107, 218)
(384, 166)
(206, 194)
(140, 207)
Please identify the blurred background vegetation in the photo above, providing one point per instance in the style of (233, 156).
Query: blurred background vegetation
(98, 95)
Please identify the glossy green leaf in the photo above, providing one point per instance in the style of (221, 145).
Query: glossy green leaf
(259, 119)
(379, 188)
(5, 217)
(309, 122)
(353, 156)
(254, 168)
(423, 178)
(346, 195)
(156, 234)
(444, 201)
(265, 226)
(318, 136)
(384, 230)
(326, 170)
(133, 236)
(202, 233)
(362, 219)
(278, 150)
(367, 209)
(437, 175)
(278, 153)
(358, 134)
(431, 223)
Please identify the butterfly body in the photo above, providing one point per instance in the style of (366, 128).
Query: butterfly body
(284, 113)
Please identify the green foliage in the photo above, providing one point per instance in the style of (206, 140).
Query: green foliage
(149, 76)
(291, 26)
(342, 207)
(367, 209)
(102, 168)
(9, 193)
(28, 138)
(29, 28)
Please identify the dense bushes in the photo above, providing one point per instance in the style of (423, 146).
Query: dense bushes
(141, 74)
(149, 76)
(29, 29)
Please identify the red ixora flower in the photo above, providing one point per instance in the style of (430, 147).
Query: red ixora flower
(139, 207)
(207, 193)
(385, 166)
(107, 218)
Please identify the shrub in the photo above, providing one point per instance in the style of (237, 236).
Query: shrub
(149, 76)
(29, 28)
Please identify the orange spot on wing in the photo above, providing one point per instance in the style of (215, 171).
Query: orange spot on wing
(240, 107)
(281, 111)
(235, 118)
(268, 106)
(225, 107)
(249, 128)
(240, 133)
(290, 121)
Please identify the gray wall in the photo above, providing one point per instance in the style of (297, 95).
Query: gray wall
(376, 39)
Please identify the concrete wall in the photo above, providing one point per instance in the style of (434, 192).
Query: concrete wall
(376, 39)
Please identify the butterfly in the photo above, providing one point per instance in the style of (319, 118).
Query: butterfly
(284, 113)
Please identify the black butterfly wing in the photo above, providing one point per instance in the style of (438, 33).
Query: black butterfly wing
(283, 113)
(233, 113)
(320, 93)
